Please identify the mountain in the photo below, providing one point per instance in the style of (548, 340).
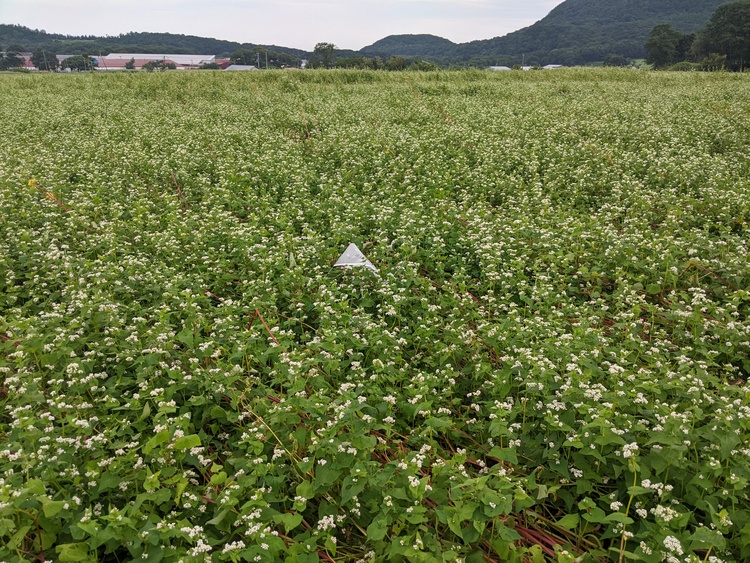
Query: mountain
(25, 39)
(584, 31)
(411, 46)
(575, 32)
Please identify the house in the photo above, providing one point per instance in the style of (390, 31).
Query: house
(499, 68)
(241, 67)
(552, 67)
(27, 61)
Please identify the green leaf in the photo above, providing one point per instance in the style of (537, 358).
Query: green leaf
(506, 533)
(146, 412)
(70, 552)
(596, 516)
(186, 337)
(109, 481)
(705, 538)
(17, 538)
(52, 507)
(351, 488)
(619, 517)
(6, 526)
(216, 520)
(91, 527)
(542, 492)
(218, 478)
(454, 523)
(325, 476)
(636, 490)
(160, 497)
(438, 423)
(378, 528)
(470, 534)
(306, 489)
(180, 488)
(290, 521)
(35, 487)
(152, 480)
(504, 454)
(569, 521)
(155, 441)
(187, 442)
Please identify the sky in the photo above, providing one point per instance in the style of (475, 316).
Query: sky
(349, 24)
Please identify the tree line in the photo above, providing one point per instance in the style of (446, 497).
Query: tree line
(44, 59)
(724, 43)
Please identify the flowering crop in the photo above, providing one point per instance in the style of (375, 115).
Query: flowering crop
(552, 362)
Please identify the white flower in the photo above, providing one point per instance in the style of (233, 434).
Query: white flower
(673, 545)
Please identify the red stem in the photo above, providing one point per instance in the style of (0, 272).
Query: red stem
(257, 312)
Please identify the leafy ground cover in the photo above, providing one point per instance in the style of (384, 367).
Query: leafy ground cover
(551, 365)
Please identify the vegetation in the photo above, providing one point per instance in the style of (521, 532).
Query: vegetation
(78, 63)
(551, 362)
(44, 60)
(616, 60)
(161, 65)
(666, 47)
(324, 55)
(728, 35)
(30, 40)
(724, 42)
(10, 60)
(264, 58)
(575, 32)
(424, 45)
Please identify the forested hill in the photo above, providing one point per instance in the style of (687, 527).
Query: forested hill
(25, 39)
(575, 32)
(426, 46)
(583, 31)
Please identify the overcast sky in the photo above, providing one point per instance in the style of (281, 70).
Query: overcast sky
(350, 24)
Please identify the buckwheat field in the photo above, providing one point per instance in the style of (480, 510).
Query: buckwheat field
(550, 363)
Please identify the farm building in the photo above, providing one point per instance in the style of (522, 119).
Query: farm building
(120, 64)
(241, 67)
(117, 61)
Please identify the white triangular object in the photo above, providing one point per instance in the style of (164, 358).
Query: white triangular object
(354, 258)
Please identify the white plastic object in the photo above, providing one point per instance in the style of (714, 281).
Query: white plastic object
(353, 258)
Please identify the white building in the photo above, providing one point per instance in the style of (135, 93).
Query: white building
(241, 67)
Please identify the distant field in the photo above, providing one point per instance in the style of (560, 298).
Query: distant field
(551, 363)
